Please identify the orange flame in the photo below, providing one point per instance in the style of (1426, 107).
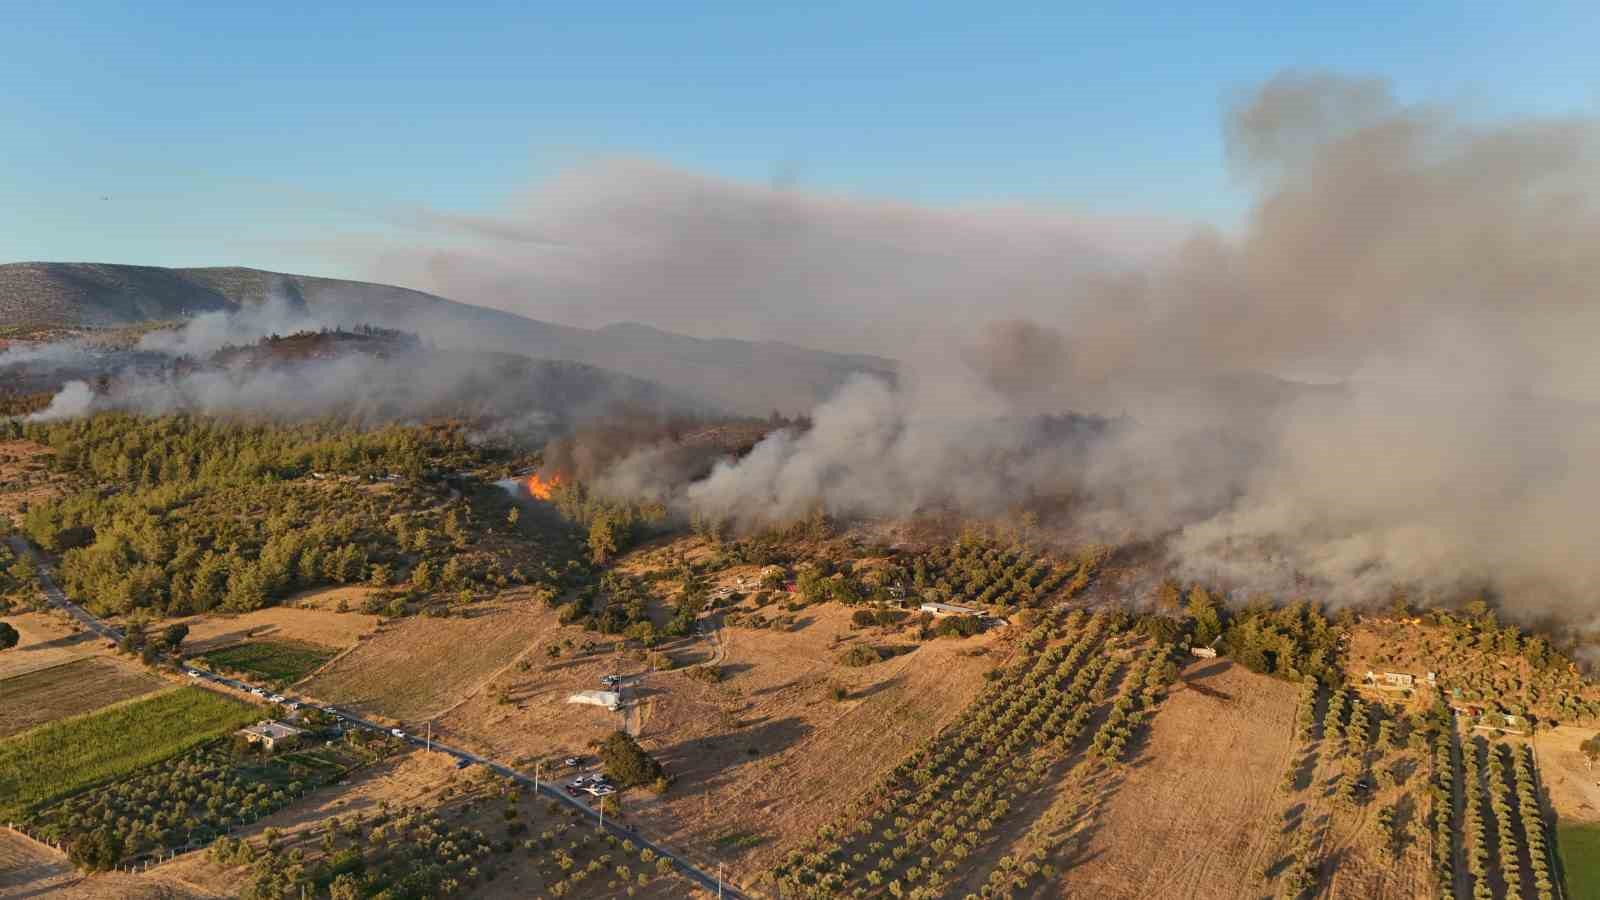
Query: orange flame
(541, 488)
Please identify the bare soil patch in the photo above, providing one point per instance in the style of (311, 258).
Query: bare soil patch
(1192, 813)
(46, 640)
(24, 477)
(29, 869)
(79, 686)
(314, 626)
(418, 667)
(1572, 785)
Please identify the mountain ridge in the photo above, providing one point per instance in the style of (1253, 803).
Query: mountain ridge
(745, 376)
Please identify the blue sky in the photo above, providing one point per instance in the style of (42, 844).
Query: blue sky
(176, 134)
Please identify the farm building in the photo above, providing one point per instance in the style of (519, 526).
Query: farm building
(1204, 652)
(950, 609)
(1391, 681)
(272, 735)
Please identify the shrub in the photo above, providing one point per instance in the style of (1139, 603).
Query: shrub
(861, 655)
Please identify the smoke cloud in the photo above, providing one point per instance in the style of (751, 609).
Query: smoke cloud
(1385, 378)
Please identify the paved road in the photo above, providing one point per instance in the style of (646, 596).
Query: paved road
(54, 594)
(545, 788)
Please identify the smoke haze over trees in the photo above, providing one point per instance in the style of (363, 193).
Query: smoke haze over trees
(1385, 375)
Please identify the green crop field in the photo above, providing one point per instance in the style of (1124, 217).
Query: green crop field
(61, 758)
(280, 662)
(1580, 858)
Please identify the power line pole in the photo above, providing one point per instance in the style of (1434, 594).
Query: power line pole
(719, 881)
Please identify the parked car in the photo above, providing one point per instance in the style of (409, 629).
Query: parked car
(191, 673)
(258, 692)
(573, 791)
(463, 763)
(611, 680)
(277, 698)
(398, 733)
(572, 762)
(601, 790)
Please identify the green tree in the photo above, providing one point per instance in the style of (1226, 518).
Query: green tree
(602, 539)
(8, 636)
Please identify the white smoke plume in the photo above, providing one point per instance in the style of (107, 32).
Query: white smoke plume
(1386, 377)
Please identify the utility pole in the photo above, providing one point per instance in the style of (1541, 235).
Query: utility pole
(536, 767)
(430, 735)
(719, 881)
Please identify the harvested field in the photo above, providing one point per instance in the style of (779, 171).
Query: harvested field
(54, 760)
(30, 869)
(278, 623)
(418, 667)
(1566, 774)
(46, 640)
(757, 757)
(1198, 798)
(24, 475)
(69, 689)
(279, 662)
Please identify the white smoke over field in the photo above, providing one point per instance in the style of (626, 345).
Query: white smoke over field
(1387, 377)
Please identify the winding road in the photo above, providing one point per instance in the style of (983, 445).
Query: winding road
(59, 599)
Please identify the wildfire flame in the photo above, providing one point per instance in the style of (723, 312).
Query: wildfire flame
(541, 488)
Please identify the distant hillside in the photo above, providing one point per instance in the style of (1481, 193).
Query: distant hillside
(744, 376)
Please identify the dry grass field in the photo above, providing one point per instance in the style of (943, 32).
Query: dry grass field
(32, 870)
(313, 626)
(1191, 814)
(418, 667)
(1573, 787)
(79, 686)
(24, 478)
(46, 640)
(758, 759)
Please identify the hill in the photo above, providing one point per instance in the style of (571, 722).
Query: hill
(745, 376)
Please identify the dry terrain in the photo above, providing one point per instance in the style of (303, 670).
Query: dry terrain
(419, 667)
(32, 870)
(1190, 816)
(79, 686)
(24, 478)
(1573, 787)
(759, 759)
(314, 626)
(46, 640)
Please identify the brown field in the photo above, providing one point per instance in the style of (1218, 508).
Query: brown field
(1567, 777)
(85, 684)
(1190, 816)
(765, 754)
(419, 667)
(46, 640)
(329, 598)
(23, 476)
(313, 626)
(29, 869)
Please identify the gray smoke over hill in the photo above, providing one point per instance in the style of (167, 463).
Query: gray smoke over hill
(1386, 377)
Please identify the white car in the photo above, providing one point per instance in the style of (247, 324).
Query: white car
(258, 692)
(601, 790)
(192, 673)
(398, 733)
(277, 698)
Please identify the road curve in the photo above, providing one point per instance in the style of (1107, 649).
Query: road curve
(56, 597)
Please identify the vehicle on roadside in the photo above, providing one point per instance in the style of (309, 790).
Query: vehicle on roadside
(277, 698)
(192, 673)
(572, 762)
(463, 763)
(258, 692)
(398, 733)
(611, 680)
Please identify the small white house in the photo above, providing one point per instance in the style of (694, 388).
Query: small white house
(949, 609)
(1204, 652)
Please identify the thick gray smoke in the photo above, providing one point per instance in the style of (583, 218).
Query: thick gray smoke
(1386, 377)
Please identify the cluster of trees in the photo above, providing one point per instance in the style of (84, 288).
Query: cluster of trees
(979, 570)
(628, 765)
(183, 802)
(1441, 795)
(612, 526)
(189, 514)
(1144, 685)
(910, 832)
